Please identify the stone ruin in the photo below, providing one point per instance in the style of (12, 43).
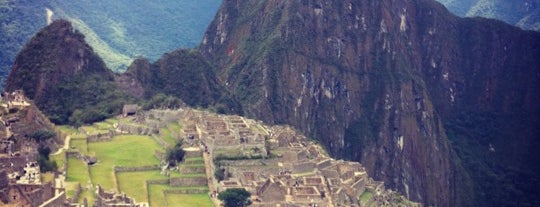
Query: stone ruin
(112, 199)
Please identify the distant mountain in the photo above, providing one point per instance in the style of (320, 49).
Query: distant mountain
(119, 31)
(65, 78)
(521, 13)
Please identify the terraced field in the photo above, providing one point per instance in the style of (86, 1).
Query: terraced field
(147, 185)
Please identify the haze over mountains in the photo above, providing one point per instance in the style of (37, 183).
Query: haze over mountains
(441, 108)
(119, 31)
(521, 13)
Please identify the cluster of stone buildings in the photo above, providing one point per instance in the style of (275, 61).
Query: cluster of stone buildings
(281, 167)
(277, 165)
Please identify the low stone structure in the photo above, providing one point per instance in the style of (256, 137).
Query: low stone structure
(111, 199)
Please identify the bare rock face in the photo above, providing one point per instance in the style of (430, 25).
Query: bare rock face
(401, 86)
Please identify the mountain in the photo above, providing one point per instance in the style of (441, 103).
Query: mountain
(522, 13)
(65, 78)
(182, 73)
(119, 31)
(442, 108)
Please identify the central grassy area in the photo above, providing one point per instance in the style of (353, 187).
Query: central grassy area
(125, 151)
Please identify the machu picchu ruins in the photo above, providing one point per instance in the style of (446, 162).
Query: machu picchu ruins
(276, 164)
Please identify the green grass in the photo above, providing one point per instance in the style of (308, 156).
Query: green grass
(88, 194)
(189, 200)
(158, 198)
(175, 127)
(94, 130)
(134, 183)
(71, 187)
(79, 144)
(194, 160)
(78, 136)
(77, 171)
(67, 129)
(112, 121)
(166, 135)
(103, 125)
(197, 165)
(59, 159)
(125, 150)
(365, 197)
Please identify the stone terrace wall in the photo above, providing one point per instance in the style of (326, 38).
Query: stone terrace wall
(56, 201)
(192, 169)
(196, 181)
(186, 191)
(118, 169)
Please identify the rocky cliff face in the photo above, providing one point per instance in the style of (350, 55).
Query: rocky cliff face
(402, 86)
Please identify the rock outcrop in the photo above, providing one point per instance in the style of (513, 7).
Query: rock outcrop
(401, 86)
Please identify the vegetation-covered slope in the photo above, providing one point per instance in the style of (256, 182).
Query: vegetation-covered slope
(184, 74)
(64, 77)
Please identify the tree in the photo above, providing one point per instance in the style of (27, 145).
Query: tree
(235, 197)
(175, 154)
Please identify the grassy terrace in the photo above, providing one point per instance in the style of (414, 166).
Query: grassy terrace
(126, 151)
(158, 197)
(77, 171)
(192, 200)
(131, 183)
(166, 135)
(80, 145)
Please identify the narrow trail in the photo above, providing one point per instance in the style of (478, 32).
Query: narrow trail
(66, 146)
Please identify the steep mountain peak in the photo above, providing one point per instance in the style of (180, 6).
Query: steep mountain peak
(54, 54)
(387, 83)
(61, 73)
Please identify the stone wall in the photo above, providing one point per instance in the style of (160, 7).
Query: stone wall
(157, 182)
(137, 129)
(57, 201)
(186, 191)
(303, 167)
(197, 153)
(101, 137)
(192, 169)
(195, 181)
(4, 186)
(118, 169)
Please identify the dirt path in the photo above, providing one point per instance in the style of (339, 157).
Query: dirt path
(212, 183)
(66, 146)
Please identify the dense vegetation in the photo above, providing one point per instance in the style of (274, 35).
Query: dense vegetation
(175, 154)
(182, 74)
(83, 99)
(235, 197)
